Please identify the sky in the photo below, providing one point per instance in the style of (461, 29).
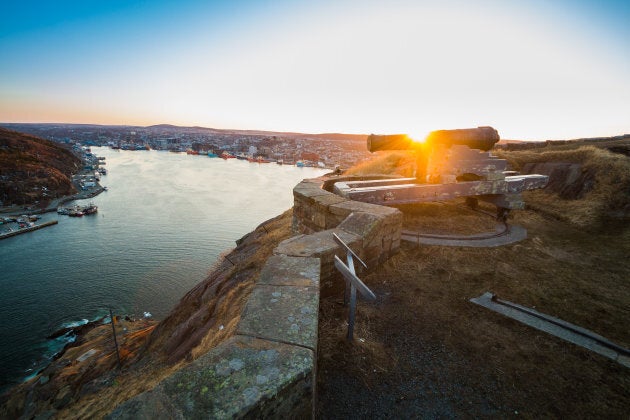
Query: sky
(532, 69)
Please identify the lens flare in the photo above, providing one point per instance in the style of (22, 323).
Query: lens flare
(418, 137)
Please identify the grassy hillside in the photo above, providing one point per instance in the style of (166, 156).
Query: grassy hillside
(607, 201)
(423, 350)
(33, 169)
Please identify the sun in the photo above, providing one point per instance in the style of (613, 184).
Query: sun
(417, 137)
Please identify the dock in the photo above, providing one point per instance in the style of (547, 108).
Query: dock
(28, 229)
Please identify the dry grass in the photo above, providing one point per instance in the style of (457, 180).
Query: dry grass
(389, 163)
(428, 351)
(607, 202)
(447, 218)
(609, 197)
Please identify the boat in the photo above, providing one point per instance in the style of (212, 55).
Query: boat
(90, 209)
(212, 155)
(78, 211)
(299, 164)
(227, 155)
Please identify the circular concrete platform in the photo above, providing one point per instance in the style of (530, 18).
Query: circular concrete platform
(504, 235)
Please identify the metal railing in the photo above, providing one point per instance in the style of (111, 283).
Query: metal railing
(353, 283)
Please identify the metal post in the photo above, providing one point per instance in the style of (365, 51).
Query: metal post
(346, 295)
(111, 316)
(353, 283)
(353, 297)
(352, 309)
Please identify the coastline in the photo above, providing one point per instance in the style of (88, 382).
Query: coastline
(53, 204)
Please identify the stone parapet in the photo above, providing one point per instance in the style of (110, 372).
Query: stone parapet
(268, 368)
(242, 377)
(265, 370)
(317, 209)
(322, 246)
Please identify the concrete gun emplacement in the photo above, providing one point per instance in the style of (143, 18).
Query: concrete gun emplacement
(449, 164)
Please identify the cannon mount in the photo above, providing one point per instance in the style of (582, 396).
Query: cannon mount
(449, 164)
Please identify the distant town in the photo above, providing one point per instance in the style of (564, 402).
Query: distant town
(323, 150)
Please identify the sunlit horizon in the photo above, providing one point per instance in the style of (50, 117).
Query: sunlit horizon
(531, 70)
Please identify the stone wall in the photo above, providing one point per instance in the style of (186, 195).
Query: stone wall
(265, 370)
(372, 231)
(268, 368)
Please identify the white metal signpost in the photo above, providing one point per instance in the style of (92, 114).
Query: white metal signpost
(353, 283)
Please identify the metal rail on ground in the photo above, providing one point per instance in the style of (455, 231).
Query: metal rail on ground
(555, 326)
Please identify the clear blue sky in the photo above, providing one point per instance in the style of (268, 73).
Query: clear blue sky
(532, 69)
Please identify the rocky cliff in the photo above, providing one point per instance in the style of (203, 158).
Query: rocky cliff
(85, 381)
(34, 169)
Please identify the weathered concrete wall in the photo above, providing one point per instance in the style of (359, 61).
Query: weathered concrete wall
(265, 370)
(268, 368)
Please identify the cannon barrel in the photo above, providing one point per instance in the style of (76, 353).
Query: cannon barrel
(482, 138)
(376, 142)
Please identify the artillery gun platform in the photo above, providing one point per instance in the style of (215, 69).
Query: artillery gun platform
(449, 164)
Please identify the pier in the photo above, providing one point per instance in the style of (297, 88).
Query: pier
(27, 229)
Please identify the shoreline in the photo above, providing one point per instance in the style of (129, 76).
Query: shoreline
(79, 336)
(81, 194)
(54, 204)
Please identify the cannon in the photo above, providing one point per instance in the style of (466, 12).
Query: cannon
(446, 156)
(449, 164)
(482, 138)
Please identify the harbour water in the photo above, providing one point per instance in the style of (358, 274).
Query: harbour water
(161, 225)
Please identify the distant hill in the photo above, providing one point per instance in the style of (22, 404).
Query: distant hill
(321, 136)
(33, 169)
(165, 126)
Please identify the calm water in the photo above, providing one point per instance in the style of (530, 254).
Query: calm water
(159, 228)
